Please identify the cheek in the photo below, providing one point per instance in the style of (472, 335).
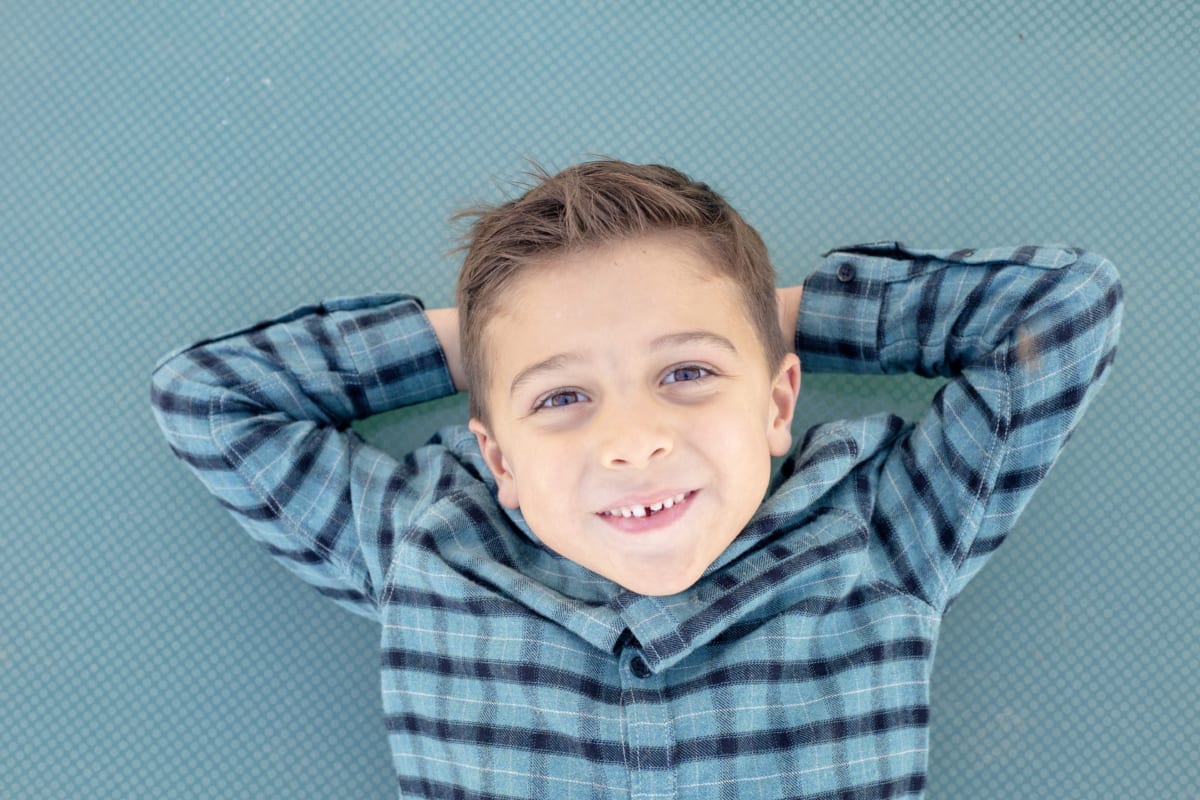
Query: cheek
(735, 443)
(734, 428)
(545, 475)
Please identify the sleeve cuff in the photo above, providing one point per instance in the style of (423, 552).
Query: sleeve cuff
(397, 356)
(837, 328)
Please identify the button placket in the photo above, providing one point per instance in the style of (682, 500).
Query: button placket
(649, 728)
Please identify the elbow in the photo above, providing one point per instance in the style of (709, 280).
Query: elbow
(1104, 294)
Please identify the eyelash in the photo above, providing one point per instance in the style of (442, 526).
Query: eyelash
(704, 372)
(546, 401)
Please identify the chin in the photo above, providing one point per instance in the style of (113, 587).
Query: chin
(659, 585)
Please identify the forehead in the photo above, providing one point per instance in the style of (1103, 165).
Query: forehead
(672, 266)
(614, 300)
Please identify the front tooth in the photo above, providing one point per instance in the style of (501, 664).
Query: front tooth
(657, 506)
(626, 512)
(639, 511)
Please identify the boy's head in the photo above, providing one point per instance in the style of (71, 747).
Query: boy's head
(597, 203)
(629, 379)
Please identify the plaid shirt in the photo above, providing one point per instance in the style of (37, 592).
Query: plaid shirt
(798, 666)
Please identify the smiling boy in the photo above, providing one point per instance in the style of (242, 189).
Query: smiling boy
(639, 454)
(588, 590)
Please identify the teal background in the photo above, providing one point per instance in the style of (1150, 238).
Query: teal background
(169, 171)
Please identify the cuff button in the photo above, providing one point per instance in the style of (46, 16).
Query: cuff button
(845, 272)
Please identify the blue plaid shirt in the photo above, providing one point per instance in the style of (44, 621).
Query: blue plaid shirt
(797, 667)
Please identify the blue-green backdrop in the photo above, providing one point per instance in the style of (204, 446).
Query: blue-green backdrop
(172, 170)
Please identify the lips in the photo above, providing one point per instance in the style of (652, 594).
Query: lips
(640, 516)
(639, 509)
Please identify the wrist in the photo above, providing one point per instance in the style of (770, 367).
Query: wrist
(788, 308)
(444, 322)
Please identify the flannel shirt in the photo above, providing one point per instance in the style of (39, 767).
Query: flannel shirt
(797, 667)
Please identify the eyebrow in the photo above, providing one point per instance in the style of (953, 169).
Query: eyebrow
(554, 362)
(561, 360)
(693, 337)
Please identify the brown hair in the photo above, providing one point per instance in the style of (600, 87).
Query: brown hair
(592, 204)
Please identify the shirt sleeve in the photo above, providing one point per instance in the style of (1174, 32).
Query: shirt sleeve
(1026, 336)
(262, 417)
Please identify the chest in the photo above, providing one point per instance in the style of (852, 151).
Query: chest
(824, 693)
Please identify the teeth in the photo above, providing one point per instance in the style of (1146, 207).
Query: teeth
(641, 511)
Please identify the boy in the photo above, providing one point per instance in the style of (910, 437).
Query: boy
(584, 592)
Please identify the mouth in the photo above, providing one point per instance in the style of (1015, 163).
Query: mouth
(639, 510)
(641, 517)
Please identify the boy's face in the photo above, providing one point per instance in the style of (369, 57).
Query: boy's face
(633, 415)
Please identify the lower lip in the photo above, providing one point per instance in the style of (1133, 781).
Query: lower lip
(651, 522)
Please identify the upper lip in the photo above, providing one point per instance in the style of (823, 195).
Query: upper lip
(645, 499)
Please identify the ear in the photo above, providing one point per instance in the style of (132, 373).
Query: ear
(506, 482)
(785, 390)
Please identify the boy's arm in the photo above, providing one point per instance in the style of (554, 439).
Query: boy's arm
(787, 301)
(1026, 335)
(444, 322)
(262, 417)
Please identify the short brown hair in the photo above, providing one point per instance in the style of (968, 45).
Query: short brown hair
(592, 204)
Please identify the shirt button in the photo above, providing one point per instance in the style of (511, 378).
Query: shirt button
(845, 272)
(639, 668)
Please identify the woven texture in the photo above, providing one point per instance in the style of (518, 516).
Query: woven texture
(171, 172)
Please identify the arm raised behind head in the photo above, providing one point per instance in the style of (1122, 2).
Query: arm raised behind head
(262, 417)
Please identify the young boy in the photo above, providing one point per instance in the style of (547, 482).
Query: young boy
(584, 593)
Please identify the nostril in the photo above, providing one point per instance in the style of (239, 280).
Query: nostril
(632, 439)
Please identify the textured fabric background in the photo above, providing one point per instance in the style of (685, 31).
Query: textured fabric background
(169, 172)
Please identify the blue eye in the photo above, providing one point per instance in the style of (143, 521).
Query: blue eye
(560, 399)
(685, 374)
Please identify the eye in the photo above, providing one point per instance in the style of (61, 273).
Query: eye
(566, 397)
(690, 372)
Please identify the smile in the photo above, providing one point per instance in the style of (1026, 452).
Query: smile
(646, 510)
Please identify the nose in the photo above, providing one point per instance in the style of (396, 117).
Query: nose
(633, 435)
